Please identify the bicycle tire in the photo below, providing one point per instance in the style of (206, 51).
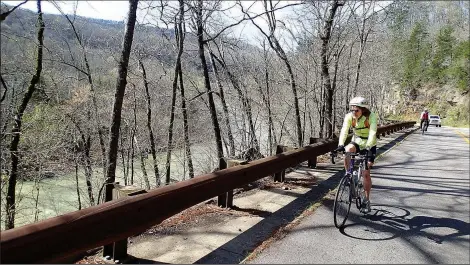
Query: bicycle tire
(343, 195)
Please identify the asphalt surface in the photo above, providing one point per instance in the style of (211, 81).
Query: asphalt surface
(420, 210)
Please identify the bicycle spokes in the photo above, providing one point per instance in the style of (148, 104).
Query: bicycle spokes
(342, 203)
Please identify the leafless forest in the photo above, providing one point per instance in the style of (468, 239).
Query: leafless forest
(164, 95)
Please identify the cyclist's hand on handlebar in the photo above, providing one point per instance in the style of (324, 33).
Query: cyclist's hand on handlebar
(340, 148)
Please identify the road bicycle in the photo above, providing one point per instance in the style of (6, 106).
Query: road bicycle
(351, 187)
(424, 127)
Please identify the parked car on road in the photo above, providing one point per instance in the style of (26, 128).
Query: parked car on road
(435, 120)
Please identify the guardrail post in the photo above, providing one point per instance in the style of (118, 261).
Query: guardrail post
(280, 176)
(312, 163)
(118, 249)
(225, 199)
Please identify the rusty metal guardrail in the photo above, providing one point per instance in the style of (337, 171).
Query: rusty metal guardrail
(55, 239)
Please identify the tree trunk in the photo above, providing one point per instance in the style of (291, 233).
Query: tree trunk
(296, 102)
(123, 159)
(179, 43)
(144, 171)
(358, 66)
(149, 124)
(78, 189)
(321, 119)
(224, 107)
(325, 68)
(88, 168)
(267, 100)
(132, 160)
(128, 158)
(36, 212)
(363, 36)
(86, 140)
(335, 75)
(213, 111)
(187, 143)
(16, 131)
(348, 79)
(118, 99)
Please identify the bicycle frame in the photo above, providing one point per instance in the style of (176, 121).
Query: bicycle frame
(349, 187)
(350, 173)
(355, 191)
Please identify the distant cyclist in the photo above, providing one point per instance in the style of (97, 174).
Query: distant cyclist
(364, 124)
(424, 119)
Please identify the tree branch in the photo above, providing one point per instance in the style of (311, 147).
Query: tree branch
(4, 15)
(245, 19)
(5, 86)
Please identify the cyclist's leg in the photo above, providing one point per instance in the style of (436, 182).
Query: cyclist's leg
(421, 124)
(353, 148)
(367, 178)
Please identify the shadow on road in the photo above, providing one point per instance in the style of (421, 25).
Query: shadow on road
(394, 222)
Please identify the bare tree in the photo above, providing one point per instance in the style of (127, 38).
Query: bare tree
(187, 143)
(328, 88)
(364, 26)
(149, 124)
(16, 131)
(177, 70)
(276, 46)
(84, 147)
(267, 101)
(246, 105)
(118, 99)
(224, 106)
(181, 33)
(198, 12)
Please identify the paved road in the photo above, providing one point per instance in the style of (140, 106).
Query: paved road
(420, 211)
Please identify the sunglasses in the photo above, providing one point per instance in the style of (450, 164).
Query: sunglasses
(355, 110)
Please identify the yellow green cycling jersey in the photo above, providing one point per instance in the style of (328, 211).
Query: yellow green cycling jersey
(363, 136)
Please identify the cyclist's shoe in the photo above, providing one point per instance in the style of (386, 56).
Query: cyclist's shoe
(365, 207)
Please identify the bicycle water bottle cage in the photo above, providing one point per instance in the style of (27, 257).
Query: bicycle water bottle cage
(356, 179)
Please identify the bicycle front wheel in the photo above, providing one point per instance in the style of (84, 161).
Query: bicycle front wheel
(342, 204)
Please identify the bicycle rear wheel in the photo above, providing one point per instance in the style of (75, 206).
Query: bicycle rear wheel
(342, 204)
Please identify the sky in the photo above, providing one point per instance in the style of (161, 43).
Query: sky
(109, 10)
(117, 10)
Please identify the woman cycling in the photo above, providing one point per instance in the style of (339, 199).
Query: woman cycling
(364, 125)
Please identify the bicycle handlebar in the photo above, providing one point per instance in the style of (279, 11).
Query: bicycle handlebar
(352, 154)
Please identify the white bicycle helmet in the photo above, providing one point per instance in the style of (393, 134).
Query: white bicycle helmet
(360, 102)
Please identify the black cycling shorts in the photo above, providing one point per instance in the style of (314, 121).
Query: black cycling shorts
(373, 149)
